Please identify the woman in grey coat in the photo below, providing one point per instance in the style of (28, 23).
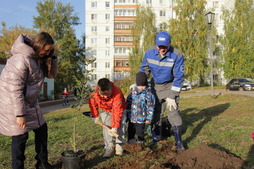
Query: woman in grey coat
(20, 83)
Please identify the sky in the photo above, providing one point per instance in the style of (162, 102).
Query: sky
(21, 12)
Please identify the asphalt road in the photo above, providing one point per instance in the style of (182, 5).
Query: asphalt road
(54, 105)
(216, 92)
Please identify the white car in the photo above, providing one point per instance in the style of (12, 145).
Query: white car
(186, 85)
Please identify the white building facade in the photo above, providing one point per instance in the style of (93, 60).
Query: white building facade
(108, 34)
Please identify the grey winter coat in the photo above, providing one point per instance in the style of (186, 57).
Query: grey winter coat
(20, 83)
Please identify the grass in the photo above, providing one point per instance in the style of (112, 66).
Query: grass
(224, 123)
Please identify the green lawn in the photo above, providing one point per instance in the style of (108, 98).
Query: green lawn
(224, 122)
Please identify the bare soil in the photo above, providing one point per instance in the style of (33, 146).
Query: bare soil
(164, 155)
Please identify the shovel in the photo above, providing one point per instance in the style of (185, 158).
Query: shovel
(125, 145)
(107, 128)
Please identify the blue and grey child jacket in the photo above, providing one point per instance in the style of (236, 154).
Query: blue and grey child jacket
(141, 105)
(170, 68)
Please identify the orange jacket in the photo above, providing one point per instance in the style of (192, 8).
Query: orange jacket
(114, 105)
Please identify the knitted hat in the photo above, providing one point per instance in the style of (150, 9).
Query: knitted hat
(141, 79)
(163, 39)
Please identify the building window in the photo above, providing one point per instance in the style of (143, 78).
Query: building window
(93, 77)
(107, 40)
(93, 16)
(123, 25)
(162, 13)
(126, 1)
(123, 38)
(148, 1)
(121, 50)
(163, 26)
(94, 4)
(94, 65)
(121, 63)
(93, 40)
(107, 52)
(107, 4)
(125, 12)
(107, 76)
(107, 16)
(107, 29)
(94, 28)
(107, 64)
(215, 4)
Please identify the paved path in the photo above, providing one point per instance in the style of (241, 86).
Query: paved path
(54, 105)
(216, 92)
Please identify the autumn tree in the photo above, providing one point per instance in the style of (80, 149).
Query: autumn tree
(59, 18)
(189, 32)
(238, 40)
(143, 33)
(9, 36)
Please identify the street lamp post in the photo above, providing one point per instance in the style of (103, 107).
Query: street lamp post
(210, 18)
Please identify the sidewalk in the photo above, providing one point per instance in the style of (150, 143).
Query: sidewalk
(55, 105)
(216, 93)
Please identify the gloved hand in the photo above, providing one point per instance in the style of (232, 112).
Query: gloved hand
(114, 130)
(95, 119)
(171, 103)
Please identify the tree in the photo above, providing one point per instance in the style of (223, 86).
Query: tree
(9, 36)
(238, 40)
(189, 34)
(143, 33)
(56, 17)
(59, 18)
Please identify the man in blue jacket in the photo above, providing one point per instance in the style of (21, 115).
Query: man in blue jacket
(166, 64)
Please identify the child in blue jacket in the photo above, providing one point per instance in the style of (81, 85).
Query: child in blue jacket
(140, 107)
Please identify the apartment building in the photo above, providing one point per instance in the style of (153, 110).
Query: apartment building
(108, 34)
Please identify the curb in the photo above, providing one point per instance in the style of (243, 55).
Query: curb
(54, 102)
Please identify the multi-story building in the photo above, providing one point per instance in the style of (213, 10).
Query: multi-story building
(108, 33)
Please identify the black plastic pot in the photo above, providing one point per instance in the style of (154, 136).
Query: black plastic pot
(73, 160)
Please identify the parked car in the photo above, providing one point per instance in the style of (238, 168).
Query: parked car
(242, 84)
(186, 85)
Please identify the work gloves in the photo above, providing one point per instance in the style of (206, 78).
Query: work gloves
(95, 119)
(171, 103)
(112, 130)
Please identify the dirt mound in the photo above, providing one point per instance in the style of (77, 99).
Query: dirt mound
(204, 156)
(164, 155)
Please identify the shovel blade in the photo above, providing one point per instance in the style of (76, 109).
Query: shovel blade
(132, 147)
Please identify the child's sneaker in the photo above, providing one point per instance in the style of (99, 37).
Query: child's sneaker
(108, 153)
(119, 150)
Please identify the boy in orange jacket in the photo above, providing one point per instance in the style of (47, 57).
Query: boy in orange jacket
(108, 102)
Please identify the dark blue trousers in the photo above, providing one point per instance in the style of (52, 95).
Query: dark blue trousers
(136, 129)
(18, 146)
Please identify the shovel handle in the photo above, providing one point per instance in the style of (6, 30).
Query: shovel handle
(107, 128)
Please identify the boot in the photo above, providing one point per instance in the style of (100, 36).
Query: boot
(178, 139)
(156, 134)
